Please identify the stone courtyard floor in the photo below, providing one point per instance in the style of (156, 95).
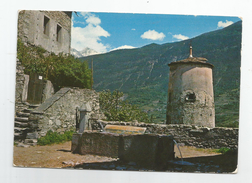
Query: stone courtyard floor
(60, 156)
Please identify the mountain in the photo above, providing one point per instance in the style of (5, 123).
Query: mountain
(75, 53)
(85, 52)
(142, 73)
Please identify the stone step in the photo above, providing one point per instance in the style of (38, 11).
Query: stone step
(21, 119)
(29, 110)
(23, 145)
(21, 124)
(18, 129)
(22, 114)
(37, 112)
(33, 106)
(31, 142)
(18, 134)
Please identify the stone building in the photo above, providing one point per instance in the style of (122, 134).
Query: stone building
(48, 29)
(52, 31)
(190, 92)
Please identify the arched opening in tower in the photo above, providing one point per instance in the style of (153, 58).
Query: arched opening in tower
(190, 97)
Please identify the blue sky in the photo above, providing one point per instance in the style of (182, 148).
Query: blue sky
(104, 32)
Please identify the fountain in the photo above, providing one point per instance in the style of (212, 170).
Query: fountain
(182, 162)
(178, 149)
(128, 143)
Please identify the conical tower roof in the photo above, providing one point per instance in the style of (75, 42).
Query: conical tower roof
(192, 59)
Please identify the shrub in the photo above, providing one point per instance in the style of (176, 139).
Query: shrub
(62, 70)
(55, 138)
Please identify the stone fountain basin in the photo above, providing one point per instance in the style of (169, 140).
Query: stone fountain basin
(143, 149)
(126, 130)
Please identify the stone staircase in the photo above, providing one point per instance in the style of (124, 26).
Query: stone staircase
(25, 129)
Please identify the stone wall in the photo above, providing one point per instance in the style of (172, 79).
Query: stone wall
(60, 112)
(190, 135)
(53, 36)
(21, 87)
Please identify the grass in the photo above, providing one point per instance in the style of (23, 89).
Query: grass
(55, 138)
(223, 150)
(207, 150)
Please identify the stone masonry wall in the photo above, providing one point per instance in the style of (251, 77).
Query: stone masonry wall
(190, 94)
(55, 38)
(21, 90)
(61, 113)
(61, 17)
(201, 137)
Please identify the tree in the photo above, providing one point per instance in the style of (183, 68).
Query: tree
(115, 109)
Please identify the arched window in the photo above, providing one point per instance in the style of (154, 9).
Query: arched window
(190, 97)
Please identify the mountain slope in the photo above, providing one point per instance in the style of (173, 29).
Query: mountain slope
(142, 73)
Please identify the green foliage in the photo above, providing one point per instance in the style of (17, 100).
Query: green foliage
(115, 109)
(62, 70)
(223, 150)
(54, 137)
(227, 109)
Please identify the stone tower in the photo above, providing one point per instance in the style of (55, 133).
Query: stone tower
(190, 92)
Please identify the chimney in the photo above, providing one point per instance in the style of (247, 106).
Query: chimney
(190, 52)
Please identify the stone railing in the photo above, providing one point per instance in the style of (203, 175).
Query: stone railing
(189, 135)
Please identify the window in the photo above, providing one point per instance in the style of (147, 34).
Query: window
(58, 33)
(190, 97)
(46, 25)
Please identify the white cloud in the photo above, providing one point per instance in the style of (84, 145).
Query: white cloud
(133, 29)
(123, 47)
(224, 24)
(180, 37)
(89, 36)
(93, 20)
(153, 35)
(86, 14)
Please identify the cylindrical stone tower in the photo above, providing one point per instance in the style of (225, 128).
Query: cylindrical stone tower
(190, 92)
